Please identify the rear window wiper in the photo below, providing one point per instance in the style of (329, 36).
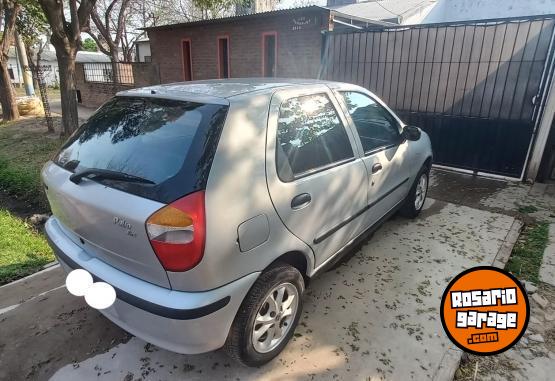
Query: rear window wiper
(108, 175)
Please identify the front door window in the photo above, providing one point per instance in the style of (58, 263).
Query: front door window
(376, 127)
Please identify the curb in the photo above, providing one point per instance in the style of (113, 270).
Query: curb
(448, 365)
(45, 268)
(508, 243)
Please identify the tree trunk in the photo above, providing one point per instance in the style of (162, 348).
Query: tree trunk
(70, 121)
(8, 13)
(7, 98)
(115, 67)
(34, 69)
(36, 84)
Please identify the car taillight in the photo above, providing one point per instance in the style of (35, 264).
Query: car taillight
(177, 232)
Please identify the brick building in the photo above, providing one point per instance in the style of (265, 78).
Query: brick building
(282, 43)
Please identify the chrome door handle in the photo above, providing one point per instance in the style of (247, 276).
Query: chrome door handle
(376, 168)
(300, 201)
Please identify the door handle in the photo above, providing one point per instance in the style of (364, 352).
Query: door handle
(300, 201)
(376, 168)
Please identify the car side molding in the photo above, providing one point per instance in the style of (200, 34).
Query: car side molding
(327, 234)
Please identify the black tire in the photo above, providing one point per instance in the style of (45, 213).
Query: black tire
(239, 345)
(409, 209)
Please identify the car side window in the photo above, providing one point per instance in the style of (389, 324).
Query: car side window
(376, 126)
(310, 136)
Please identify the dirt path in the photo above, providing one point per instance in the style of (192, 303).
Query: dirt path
(43, 328)
(39, 321)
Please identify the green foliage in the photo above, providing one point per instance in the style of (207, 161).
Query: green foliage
(17, 181)
(24, 251)
(24, 148)
(525, 209)
(526, 258)
(215, 7)
(31, 22)
(89, 45)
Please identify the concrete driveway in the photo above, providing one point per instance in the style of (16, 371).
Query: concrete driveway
(84, 112)
(374, 317)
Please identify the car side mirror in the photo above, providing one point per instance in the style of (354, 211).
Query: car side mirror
(411, 133)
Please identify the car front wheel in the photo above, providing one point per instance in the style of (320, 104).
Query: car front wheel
(417, 195)
(267, 317)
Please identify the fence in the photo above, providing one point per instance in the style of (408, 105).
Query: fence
(104, 72)
(475, 87)
(95, 81)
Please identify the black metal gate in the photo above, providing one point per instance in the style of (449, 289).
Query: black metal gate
(475, 87)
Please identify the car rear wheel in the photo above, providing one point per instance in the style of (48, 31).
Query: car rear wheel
(417, 195)
(267, 317)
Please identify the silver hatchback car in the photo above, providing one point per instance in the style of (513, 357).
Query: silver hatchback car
(209, 205)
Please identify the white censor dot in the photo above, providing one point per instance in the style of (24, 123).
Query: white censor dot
(78, 282)
(100, 295)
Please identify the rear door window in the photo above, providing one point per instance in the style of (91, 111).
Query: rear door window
(169, 143)
(310, 137)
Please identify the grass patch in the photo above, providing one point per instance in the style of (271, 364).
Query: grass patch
(526, 258)
(52, 93)
(525, 209)
(25, 146)
(22, 250)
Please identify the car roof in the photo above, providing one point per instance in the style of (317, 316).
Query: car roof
(216, 90)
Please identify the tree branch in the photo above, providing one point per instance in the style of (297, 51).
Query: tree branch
(98, 24)
(75, 24)
(11, 10)
(99, 44)
(121, 21)
(108, 14)
(84, 11)
(55, 15)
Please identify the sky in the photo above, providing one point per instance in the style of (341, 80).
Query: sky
(299, 3)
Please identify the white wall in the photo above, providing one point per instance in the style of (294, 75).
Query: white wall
(51, 77)
(51, 73)
(143, 49)
(16, 69)
(417, 16)
(461, 10)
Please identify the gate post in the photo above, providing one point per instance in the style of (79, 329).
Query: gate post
(542, 135)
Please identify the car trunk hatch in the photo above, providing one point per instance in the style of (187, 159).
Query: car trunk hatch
(106, 223)
(134, 156)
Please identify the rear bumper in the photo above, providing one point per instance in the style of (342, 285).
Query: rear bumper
(183, 322)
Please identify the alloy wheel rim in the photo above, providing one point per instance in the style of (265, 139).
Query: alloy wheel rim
(421, 189)
(275, 317)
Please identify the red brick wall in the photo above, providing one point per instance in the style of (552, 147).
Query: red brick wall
(299, 41)
(94, 94)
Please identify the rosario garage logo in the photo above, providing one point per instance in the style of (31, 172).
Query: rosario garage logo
(484, 310)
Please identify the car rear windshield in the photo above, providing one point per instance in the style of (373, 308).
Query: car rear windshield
(169, 144)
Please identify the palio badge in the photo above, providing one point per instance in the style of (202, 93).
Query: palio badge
(485, 310)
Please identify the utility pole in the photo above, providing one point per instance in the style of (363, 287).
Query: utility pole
(24, 63)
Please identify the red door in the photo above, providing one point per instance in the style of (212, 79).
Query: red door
(187, 61)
